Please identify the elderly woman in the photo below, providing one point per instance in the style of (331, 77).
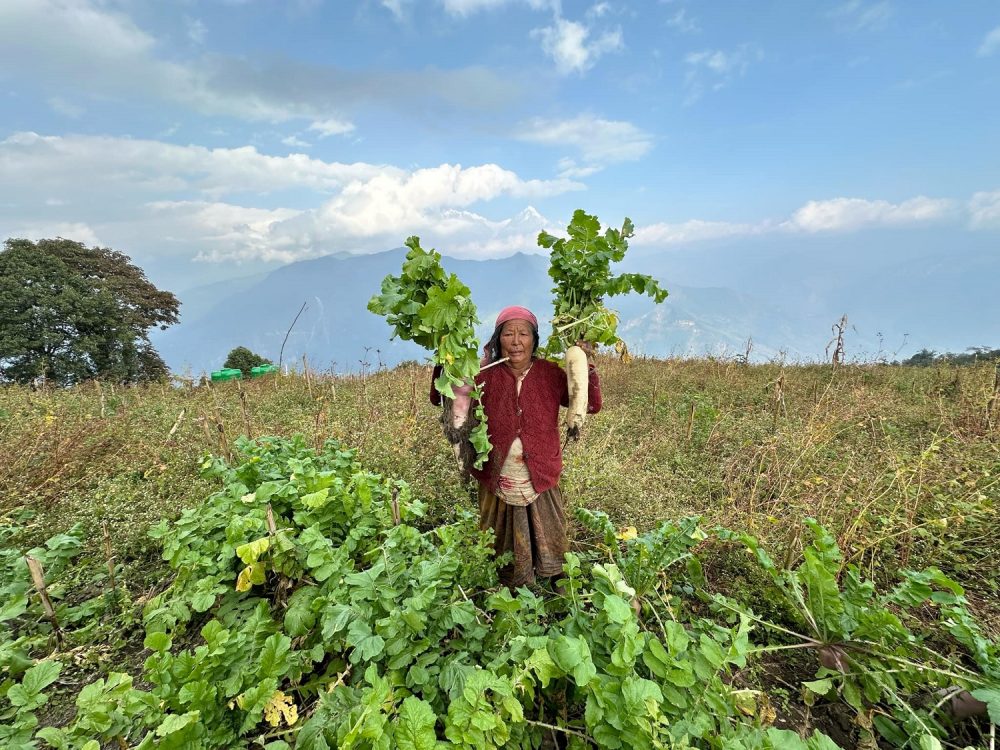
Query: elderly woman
(519, 495)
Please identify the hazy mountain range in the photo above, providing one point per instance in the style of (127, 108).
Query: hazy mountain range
(784, 293)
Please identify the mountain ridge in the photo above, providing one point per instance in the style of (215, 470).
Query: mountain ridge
(781, 303)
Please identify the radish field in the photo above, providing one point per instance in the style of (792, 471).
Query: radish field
(764, 556)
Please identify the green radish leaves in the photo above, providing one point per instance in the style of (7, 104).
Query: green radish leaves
(434, 309)
(580, 265)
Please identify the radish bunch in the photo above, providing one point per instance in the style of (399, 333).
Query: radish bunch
(426, 305)
(580, 265)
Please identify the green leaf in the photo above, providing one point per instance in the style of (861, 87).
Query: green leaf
(617, 609)
(820, 741)
(273, 660)
(173, 723)
(572, 656)
(335, 619)
(18, 696)
(929, 742)
(367, 648)
(784, 739)
(299, 617)
(819, 687)
(316, 499)
(890, 730)
(15, 607)
(56, 738)
(542, 664)
(415, 725)
(677, 637)
(823, 599)
(157, 642)
(40, 676)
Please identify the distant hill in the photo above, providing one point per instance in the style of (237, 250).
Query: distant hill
(783, 292)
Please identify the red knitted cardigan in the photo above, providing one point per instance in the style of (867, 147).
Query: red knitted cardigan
(533, 416)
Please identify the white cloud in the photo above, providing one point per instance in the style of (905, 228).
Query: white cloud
(464, 8)
(693, 230)
(682, 23)
(571, 170)
(836, 215)
(62, 45)
(331, 126)
(991, 43)
(77, 231)
(101, 166)
(222, 230)
(196, 30)
(296, 142)
(984, 210)
(600, 142)
(568, 43)
(849, 214)
(598, 10)
(715, 69)
(859, 15)
(396, 7)
(154, 199)
(374, 214)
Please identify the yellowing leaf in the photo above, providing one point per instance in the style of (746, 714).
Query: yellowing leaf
(281, 706)
(250, 575)
(629, 532)
(251, 551)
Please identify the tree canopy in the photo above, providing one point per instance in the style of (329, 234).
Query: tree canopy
(244, 359)
(971, 356)
(69, 313)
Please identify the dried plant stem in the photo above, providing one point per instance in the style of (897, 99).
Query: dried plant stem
(305, 369)
(244, 407)
(38, 578)
(564, 730)
(177, 424)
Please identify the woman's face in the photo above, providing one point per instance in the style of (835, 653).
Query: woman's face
(517, 342)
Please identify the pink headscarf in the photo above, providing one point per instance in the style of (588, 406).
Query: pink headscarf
(516, 313)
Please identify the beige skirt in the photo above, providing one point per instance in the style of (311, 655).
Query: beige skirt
(535, 535)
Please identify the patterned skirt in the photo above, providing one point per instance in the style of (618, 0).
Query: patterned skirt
(535, 534)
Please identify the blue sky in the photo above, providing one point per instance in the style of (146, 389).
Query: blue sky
(214, 138)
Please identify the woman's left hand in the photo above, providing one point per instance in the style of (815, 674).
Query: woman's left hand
(588, 349)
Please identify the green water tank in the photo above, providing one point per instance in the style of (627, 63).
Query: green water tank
(256, 372)
(228, 373)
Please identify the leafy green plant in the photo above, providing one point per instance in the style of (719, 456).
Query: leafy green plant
(325, 619)
(18, 721)
(643, 558)
(434, 309)
(580, 265)
(866, 652)
(23, 624)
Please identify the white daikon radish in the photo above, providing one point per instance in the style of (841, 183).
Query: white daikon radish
(577, 377)
(460, 406)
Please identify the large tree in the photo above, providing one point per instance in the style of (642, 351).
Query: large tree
(243, 359)
(69, 312)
